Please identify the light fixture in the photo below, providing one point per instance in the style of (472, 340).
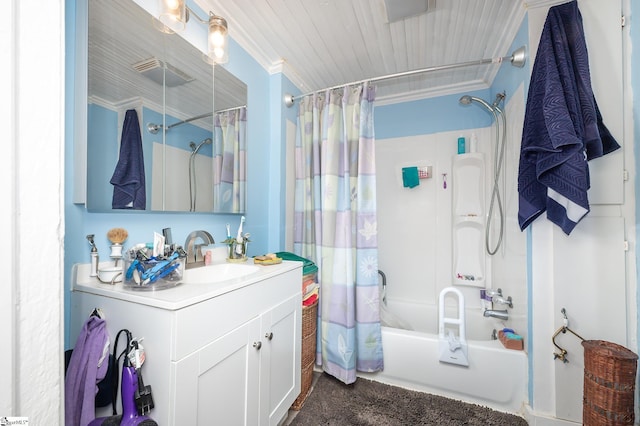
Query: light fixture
(217, 40)
(173, 18)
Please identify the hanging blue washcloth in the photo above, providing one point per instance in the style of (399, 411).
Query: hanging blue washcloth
(563, 128)
(128, 178)
(410, 177)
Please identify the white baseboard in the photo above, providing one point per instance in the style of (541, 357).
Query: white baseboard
(537, 419)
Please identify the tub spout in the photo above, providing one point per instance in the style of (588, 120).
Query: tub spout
(501, 314)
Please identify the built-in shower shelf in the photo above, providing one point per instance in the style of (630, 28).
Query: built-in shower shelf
(468, 184)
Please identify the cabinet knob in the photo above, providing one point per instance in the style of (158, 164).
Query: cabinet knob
(269, 335)
(257, 345)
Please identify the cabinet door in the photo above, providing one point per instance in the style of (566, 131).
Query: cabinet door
(280, 359)
(218, 384)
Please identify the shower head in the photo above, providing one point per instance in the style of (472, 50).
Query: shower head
(467, 100)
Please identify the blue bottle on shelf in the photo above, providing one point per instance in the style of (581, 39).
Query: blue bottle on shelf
(461, 145)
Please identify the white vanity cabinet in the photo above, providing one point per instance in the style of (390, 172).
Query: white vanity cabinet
(225, 354)
(247, 376)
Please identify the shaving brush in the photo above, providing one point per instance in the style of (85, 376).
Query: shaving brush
(117, 236)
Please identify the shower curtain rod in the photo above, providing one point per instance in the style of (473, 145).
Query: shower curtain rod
(153, 128)
(517, 59)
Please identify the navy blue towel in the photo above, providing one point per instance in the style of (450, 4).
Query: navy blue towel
(128, 177)
(563, 128)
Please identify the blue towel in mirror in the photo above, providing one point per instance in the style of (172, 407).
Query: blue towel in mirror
(128, 178)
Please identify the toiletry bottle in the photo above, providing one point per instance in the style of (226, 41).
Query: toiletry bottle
(461, 145)
(473, 143)
(166, 232)
(94, 262)
(485, 300)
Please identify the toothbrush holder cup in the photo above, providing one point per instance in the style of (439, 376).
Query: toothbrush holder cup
(237, 252)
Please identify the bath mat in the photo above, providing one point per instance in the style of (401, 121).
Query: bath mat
(369, 403)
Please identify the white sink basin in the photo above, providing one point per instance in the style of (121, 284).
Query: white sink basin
(218, 273)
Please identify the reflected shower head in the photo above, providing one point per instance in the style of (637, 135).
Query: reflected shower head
(195, 149)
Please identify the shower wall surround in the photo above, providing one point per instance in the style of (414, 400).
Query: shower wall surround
(416, 227)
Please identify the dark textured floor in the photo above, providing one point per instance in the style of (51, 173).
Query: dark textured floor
(369, 403)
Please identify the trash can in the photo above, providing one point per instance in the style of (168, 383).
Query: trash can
(609, 384)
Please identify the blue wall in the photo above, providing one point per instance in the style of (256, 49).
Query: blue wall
(427, 116)
(509, 77)
(104, 132)
(280, 114)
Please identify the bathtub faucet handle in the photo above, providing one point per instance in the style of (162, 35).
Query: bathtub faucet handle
(493, 293)
(503, 300)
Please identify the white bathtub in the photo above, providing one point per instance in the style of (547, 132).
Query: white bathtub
(496, 377)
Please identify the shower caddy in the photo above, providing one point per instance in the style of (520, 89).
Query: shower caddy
(468, 209)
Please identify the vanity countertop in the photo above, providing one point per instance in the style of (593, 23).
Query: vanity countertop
(177, 297)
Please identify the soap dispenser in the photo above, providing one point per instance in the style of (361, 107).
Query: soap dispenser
(473, 143)
(94, 257)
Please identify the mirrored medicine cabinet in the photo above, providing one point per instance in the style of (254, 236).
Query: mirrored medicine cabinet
(188, 164)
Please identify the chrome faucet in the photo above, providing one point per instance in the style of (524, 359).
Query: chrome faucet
(497, 297)
(503, 301)
(500, 314)
(194, 252)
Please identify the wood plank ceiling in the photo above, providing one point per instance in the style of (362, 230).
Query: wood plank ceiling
(323, 43)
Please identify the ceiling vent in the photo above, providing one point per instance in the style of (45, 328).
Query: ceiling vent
(397, 10)
(153, 68)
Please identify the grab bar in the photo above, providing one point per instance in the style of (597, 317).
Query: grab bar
(562, 356)
(443, 321)
(384, 286)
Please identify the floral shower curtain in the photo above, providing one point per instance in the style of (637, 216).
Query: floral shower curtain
(229, 151)
(335, 225)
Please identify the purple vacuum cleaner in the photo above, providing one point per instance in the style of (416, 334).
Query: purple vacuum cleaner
(136, 397)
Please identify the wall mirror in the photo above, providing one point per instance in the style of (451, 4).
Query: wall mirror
(194, 159)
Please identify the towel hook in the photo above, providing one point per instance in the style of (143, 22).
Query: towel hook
(97, 312)
(562, 355)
